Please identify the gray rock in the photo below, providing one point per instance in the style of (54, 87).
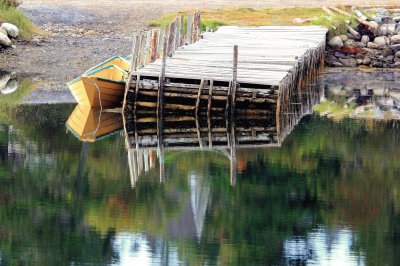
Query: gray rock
(11, 29)
(372, 45)
(365, 39)
(396, 65)
(386, 52)
(336, 64)
(395, 39)
(391, 29)
(4, 80)
(367, 61)
(389, 58)
(397, 30)
(4, 40)
(377, 64)
(350, 43)
(359, 44)
(3, 31)
(340, 55)
(395, 47)
(359, 56)
(11, 86)
(383, 30)
(335, 42)
(380, 41)
(349, 62)
(397, 54)
(396, 60)
(14, 47)
(359, 61)
(396, 18)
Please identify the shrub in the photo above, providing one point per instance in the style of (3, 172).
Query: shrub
(12, 3)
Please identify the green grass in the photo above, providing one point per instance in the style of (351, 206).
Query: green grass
(263, 16)
(334, 110)
(13, 16)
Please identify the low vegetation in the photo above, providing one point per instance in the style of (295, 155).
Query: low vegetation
(9, 13)
(265, 16)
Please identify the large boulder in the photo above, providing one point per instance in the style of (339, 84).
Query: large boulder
(335, 42)
(380, 41)
(3, 31)
(4, 80)
(11, 29)
(11, 86)
(395, 39)
(4, 40)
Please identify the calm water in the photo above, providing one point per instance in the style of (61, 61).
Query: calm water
(329, 195)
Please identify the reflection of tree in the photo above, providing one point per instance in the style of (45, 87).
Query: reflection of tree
(67, 202)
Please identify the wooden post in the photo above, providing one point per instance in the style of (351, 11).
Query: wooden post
(182, 32)
(210, 97)
(160, 102)
(142, 50)
(234, 80)
(135, 45)
(198, 33)
(199, 96)
(147, 49)
(171, 36)
(233, 155)
(189, 29)
(176, 35)
(228, 100)
(154, 44)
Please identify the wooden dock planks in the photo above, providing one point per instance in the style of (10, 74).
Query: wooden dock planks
(265, 56)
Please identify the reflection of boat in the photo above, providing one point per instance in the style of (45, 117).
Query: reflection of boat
(116, 61)
(91, 124)
(100, 87)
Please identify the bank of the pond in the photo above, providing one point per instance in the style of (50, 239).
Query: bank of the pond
(361, 94)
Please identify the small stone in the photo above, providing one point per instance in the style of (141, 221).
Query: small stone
(367, 61)
(359, 44)
(380, 41)
(391, 29)
(11, 29)
(90, 32)
(395, 39)
(396, 65)
(383, 30)
(397, 54)
(390, 58)
(395, 47)
(336, 64)
(335, 42)
(365, 39)
(343, 37)
(349, 62)
(359, 61)
(11, 87)
(359, 56)
(372, 45)
(386, 52)
(14, 47)
(376, 64)
(81, 30)
(4, 40)
(350, 43)
(340, 55)
(396, 18)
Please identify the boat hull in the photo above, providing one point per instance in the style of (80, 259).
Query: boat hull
(98, 92)
(90, 124)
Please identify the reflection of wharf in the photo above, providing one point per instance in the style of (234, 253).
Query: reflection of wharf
(148, 138)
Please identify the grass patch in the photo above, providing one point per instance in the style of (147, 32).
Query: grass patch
(335, 110)
(12, 15)
(264, 17)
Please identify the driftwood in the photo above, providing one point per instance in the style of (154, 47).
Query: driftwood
(354, 33)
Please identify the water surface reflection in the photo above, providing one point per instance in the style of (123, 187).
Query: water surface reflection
(327, 194)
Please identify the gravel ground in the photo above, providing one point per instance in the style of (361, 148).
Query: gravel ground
(84, 33)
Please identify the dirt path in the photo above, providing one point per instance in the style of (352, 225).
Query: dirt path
(83, 33)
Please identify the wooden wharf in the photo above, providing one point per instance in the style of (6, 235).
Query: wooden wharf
(234, 70)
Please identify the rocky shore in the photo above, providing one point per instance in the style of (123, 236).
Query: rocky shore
(376, 44)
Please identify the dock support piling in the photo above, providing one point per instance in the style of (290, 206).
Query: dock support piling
(234, 80)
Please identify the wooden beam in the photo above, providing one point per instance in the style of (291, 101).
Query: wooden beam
(234, 79)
